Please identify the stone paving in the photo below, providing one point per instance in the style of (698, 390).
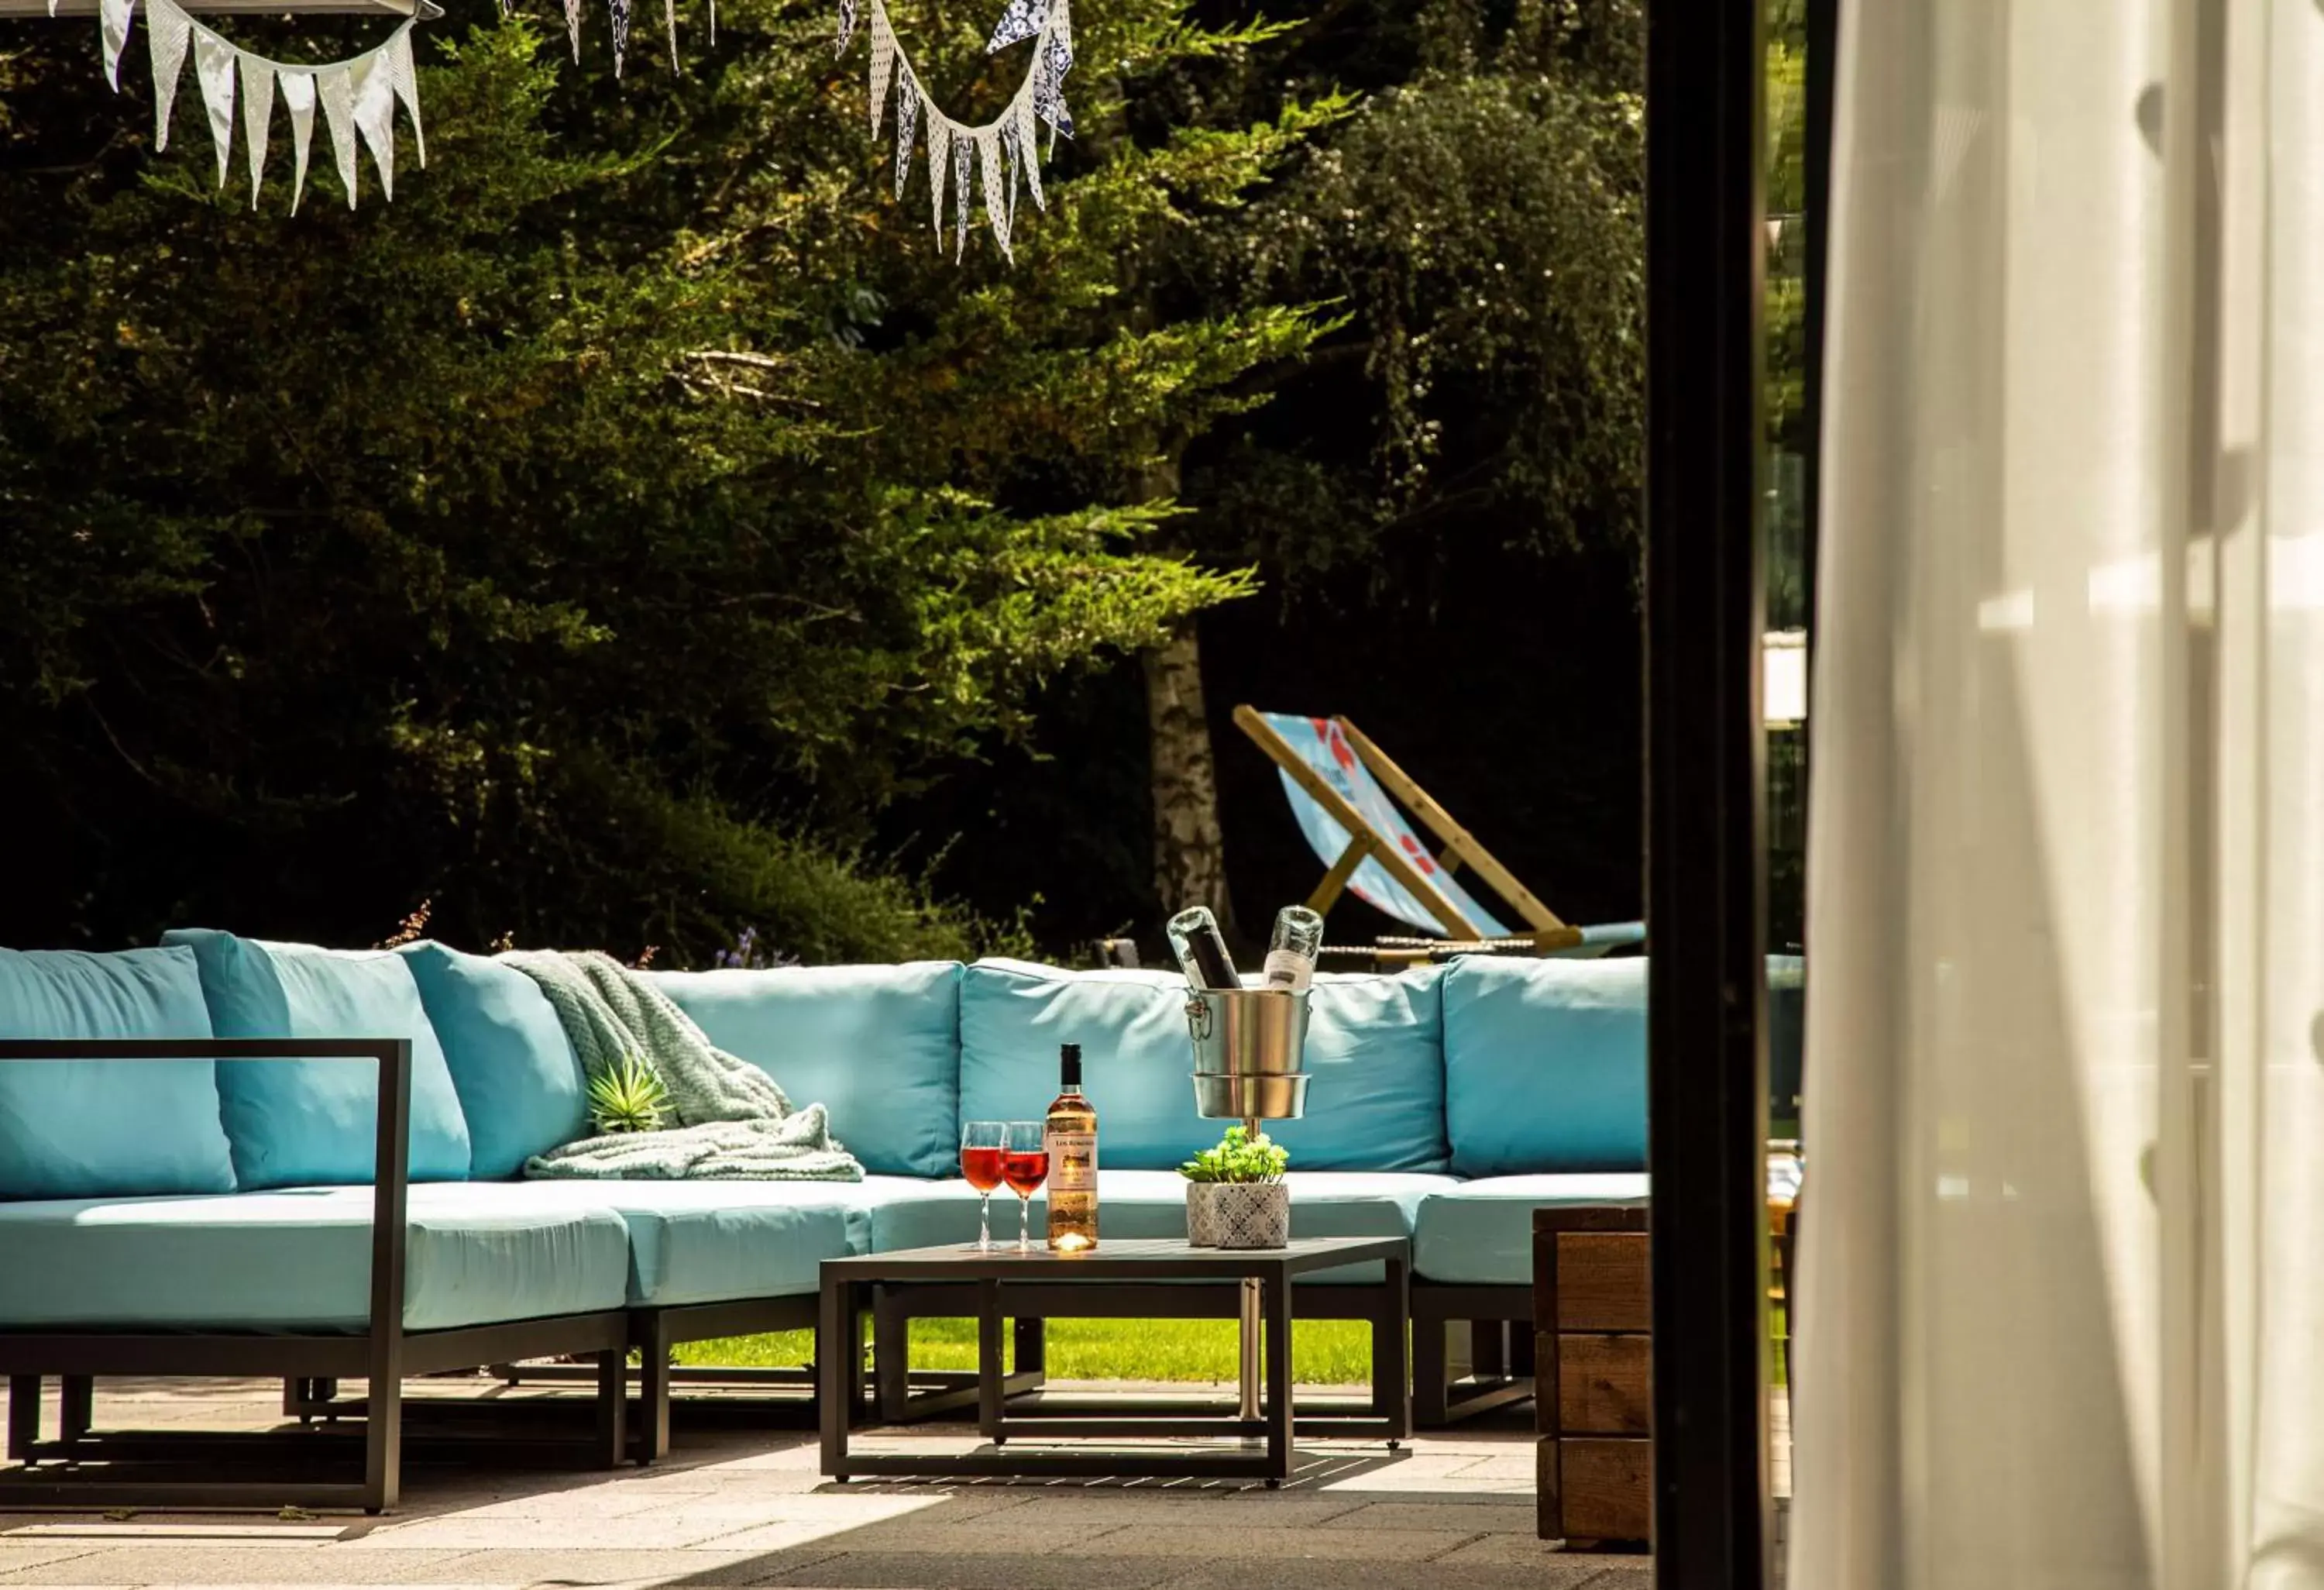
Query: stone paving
(1453, 1511)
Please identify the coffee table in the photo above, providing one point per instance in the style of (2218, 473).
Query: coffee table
(1171, 1278)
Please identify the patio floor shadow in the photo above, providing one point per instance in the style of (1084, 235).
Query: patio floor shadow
(1451, 1511)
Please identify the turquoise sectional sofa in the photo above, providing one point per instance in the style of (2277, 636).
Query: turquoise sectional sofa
(221, 1213)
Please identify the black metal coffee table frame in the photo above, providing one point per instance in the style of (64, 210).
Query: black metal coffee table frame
(1160, 1279)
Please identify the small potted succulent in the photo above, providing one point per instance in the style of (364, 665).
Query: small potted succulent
(1236, 1197)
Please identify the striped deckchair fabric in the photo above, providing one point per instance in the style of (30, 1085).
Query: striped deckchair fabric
(1343, 793)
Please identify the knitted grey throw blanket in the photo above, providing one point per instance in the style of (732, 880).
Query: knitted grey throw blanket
(733, 1123)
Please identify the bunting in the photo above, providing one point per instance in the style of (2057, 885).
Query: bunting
(358, 97)
(973, 164)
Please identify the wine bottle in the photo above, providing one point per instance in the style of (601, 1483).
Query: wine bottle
(1291, 954)
(1071, 1137)
(1202, 952)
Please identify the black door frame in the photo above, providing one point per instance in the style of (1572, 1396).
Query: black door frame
(1706, 865)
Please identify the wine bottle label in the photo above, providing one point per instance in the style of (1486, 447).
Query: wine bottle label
(1073, 1161)
(1289, 970)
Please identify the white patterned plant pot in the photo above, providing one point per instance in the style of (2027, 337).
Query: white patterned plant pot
(1252, 1213)
(1201, 1214)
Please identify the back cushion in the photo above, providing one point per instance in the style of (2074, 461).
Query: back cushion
(521, 1085)
(312, 1123)
(1375, 1103)
(878, 1046)
(73, 1128)
(1545, 1065)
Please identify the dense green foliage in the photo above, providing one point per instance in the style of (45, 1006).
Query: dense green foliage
(619, 536)
(561, 538)
(1483, 225)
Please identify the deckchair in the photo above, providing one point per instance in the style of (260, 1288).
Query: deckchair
(1333, 777)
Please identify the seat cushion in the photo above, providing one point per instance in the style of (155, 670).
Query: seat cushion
(90, 1128)
(1545, 1065)
(878, 1046)
(521, 1087)
(307, 1123)
(708, 1242)
(1480, 1233)
(299, 1259)
(1135, 1204)
(1373, 1046)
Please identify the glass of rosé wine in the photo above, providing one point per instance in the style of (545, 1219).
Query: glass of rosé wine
(983, 1157)
(1025, 1166)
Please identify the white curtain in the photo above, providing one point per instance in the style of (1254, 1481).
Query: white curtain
(2062, 1301)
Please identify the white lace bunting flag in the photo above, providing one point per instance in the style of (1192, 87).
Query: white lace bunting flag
(883, 62)
(113, 32)
(167, 30)
(375, 115)
(995, 182)
(1029, 149)
(337, 90)
(298, 99)
(405, 78)
(214, 70)
(939, 162)
(257, 110)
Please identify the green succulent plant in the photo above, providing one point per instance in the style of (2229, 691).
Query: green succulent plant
(1240, 1156)
(627, 1098)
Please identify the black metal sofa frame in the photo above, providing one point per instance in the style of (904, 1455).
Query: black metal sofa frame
(1472, 1351)
(51, 1474)
(1449, 1384)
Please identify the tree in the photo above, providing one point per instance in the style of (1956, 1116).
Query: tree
(595, 538)
(1477, 224)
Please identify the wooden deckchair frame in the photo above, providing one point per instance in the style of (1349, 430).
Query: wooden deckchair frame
(1546, 930)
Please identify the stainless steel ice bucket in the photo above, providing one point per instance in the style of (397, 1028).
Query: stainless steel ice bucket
(1226, 1096)
(1250, 1047)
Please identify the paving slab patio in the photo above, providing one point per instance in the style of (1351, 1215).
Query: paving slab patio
(738, 1507)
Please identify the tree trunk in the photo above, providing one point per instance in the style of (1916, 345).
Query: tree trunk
(1190, 859)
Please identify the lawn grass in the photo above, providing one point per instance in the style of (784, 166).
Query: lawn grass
(1323, 1351)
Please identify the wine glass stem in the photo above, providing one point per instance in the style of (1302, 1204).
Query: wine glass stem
(1024, 1223)
(984, 1225)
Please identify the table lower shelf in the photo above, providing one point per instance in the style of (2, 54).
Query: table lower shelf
(1021, 1432)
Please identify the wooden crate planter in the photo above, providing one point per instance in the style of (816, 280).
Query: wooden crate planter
(1594, 1366)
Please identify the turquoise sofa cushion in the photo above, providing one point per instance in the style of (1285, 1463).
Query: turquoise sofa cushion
(1144, 1203)
(877, 1046)
(299, 1260)
(1376, 1103)
(300, 1123)
(710, 1241)
(1135, 1056)
(1480, 1233)
(1545, 1065)
(1376, 1050)
(521, 1085)
(85, 1128)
